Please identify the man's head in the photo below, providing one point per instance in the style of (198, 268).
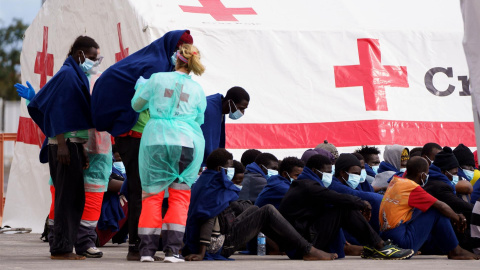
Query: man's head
(249, 156)
(417, 170)
(465, 157)
(319, 165)
(361, 159)
(396, 155)
(329, 147)
(235, 102)
(84, 48)
(416, 152)
(239, 173)
(447, 162)
(219, 159)
(317, 151)
(430, 150)
(370, 155)
(346, 165)
(291, 168)
(267, 161)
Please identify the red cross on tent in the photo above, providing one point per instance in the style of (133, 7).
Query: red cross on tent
(44, 60)
(218, 11)
(371, 74)
(123, 52)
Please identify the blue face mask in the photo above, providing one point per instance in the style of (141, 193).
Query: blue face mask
(270, 172)
(87, 64)
(333, 169)
(173, 59)
(469, 174)
(327, 179)
(363, 176)
(353, 180)
(234, 115)
(119, 166)
(454, 178)
(230, 173)
(375, 169)
(403, 169)
(291, 179)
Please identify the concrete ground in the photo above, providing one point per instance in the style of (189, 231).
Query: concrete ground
(26, 251)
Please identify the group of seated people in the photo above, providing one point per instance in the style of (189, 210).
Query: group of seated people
(325, 205)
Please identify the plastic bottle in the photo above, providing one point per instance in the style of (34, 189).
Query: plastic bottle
(261, 244)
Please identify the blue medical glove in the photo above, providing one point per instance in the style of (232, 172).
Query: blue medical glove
(26, 92)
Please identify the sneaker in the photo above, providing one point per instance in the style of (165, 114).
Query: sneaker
(93, 252)
(388, 252)
(147, 259)
(170, 257)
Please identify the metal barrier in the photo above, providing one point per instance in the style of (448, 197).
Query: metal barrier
(4, 137)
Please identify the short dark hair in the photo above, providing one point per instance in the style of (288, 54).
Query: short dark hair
(265, 159)
(83, 43)
(249, 156)
(218, 157)
(318, 161)
(366, 151)
(360, 157)
(416, 152)
(427, 148)
(289, 163)
(416, 165)
(237, 94)
(238, 167)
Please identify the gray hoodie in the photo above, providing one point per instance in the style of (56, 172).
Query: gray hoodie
(392, 155)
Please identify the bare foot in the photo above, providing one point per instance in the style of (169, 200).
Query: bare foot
(461, 254)
(352, 250)
(316, 255)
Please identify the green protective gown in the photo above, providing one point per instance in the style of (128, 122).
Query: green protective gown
(177, 105)
(99, 151)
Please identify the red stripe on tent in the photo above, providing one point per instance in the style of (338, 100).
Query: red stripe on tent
(349, 133)
(29, 132)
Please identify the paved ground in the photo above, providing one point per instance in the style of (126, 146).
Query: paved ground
(26, 251)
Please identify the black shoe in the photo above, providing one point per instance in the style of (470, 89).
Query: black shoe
(388, 252)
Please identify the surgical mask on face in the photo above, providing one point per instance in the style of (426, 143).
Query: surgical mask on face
(230, 173)
(238, 186)
(454, 178)
(234, 115)
(270, 172)
(403, 169)
(333, 169)
(353, 180)
(87, 64)
(119, 166)
(375, 169)
(363, 176)
(431, 161)
(173, 59)
(291, 179)
(326, 179)
(469, 174)
(426, 180)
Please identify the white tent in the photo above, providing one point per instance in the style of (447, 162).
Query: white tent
(353, 72)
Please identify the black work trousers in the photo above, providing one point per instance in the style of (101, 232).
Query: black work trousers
(268, 221)
(69, 196)
(128, 148)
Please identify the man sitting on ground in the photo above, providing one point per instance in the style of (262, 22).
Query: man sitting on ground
(411, 217)
(395, 161)
(256, 175)
(372, 160)
(218, 225)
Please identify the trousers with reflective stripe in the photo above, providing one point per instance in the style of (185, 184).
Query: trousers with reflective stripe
(91, 213)
(172, 227)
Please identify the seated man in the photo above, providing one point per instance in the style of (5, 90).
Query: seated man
(429, 151)
(411, 217)
(218, 225)
(465, 160)
(249, 156)
(372, 160)
(319, 214)
(395, 161)
(346, 180)
(277, 185)
(256, 175)
(442, 181)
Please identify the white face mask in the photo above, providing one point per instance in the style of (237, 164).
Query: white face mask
(326, 178)
(270, 172)
(235, 115)
(363, 176)
(230, 173)
(353, 180)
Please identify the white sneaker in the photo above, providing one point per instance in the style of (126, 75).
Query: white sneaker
(147, 259)
(174, 258)
(93, 252)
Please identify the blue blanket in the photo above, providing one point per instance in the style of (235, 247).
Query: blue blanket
(211, 194)
(63, 104)
(113, 91)
(309, 174)
(253, 167)
(273, 192)
(369, 170)
(213, 127)
(435, 174)
(385, 166)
